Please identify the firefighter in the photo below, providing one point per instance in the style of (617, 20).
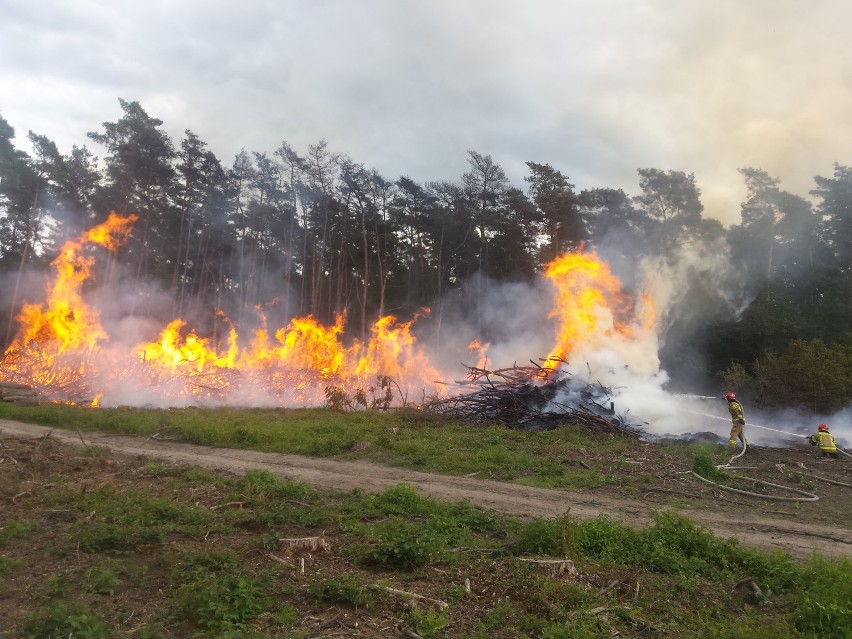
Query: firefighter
(737, 421)
(825, 441)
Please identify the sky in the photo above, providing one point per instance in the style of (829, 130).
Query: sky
(595, 88)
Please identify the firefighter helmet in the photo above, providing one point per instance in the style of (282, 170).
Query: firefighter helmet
(823, 428)
(730, 397)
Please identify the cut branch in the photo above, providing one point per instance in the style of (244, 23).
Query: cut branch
(410, 595)
(532, 398)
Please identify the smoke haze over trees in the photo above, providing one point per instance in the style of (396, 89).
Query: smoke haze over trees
(763, 306)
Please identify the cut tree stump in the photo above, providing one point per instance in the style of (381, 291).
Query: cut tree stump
(294, 545)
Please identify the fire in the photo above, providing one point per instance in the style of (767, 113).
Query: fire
(591, 306)
(307, 344)
(63, 350)
(305, 358)
(174, 350)
(67, 321)
(65, 324)
(481, 351)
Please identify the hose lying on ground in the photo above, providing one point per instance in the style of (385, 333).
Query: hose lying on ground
(830, 481)
(808, 496)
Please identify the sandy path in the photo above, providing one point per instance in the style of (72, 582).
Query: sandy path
(751, 529)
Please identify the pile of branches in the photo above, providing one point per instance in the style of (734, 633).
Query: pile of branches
(532, 398)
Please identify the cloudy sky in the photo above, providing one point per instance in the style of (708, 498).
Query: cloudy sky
(596, 88)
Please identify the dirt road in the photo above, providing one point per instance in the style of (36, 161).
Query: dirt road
(797, 538)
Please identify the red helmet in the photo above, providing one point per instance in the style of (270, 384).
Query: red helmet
(730, 397)
(823, 427)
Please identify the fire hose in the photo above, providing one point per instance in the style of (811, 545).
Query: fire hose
(750, 425)
(807, 496)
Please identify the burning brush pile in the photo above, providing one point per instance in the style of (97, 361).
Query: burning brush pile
(63, 353)
(532, 398)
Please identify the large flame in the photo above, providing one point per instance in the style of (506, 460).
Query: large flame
(62, 349)
(67, 321)
(591, 306)
(56, 340)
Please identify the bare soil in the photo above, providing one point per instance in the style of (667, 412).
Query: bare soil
(796, 526)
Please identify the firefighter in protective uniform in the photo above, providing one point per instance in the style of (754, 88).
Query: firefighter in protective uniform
(737, 421)
(825, 441)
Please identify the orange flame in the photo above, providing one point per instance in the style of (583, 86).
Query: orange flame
(481, 351)
(63, 350)
(65, 323)
(591, 305)
(68, 321)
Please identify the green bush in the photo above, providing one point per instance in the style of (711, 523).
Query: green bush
(263, 484)
(221, 602)
(579, 627)
(540, 537)
(826, 608)
(194, 564)
(101, 537)
(15, 530)
(7, 564)
(675, 544)
(704, 464)
(344, 589)
(607, 540)
(776, 571)
(426, 622)
(101, 580)
(126, 520)
(407, 546)
(62, 621)
(401, 500)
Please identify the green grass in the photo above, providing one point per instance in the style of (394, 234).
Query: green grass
(60, 620)
(687, 573)
(122, 521)
(225, 585)
(10, 530)
(344, 589)
(400, 438)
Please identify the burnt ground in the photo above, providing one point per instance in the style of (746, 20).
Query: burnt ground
(654, 480)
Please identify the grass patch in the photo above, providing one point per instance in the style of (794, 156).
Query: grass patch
(15, 530)
(405, 438)
(344, 589)
(221, 602)
(214, 577)
(704, 464)
(225, 584)
(120, 521)
(61, 620)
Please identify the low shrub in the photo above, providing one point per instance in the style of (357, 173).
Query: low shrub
(221, 602)
(406, 546)
(63, 621)
(343, 589)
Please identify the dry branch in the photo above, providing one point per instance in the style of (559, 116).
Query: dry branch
(410, 595)
(278, 559)
(238, 504)
(532, 398)
(553, 568)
